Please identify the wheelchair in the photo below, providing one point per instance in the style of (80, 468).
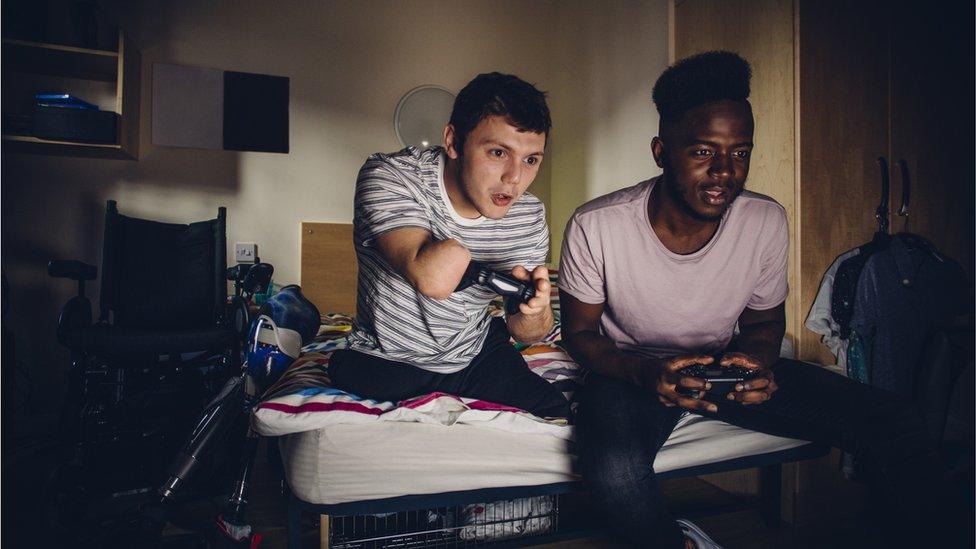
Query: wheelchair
(167, 339)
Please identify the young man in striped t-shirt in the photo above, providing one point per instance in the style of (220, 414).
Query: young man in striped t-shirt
(420, 218)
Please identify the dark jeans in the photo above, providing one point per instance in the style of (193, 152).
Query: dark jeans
(621, 427)
(498, 374)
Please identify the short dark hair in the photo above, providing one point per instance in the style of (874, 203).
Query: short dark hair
(499, 94)
(699, 79)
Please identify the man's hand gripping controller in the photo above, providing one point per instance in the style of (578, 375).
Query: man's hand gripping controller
(723, 379)
(514, 291)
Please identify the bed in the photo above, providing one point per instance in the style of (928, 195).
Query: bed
(439, 470)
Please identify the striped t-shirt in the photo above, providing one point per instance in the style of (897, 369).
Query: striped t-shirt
(394, 320)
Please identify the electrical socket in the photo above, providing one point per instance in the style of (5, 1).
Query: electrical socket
(245, 252)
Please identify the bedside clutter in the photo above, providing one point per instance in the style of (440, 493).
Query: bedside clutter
(66, 124)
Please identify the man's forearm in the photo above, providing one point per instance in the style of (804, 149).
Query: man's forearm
(530, 328)
(437, 268)
(597, 353)
(433, 267)
(762, 340)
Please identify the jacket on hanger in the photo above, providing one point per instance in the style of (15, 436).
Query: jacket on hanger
(906, 292)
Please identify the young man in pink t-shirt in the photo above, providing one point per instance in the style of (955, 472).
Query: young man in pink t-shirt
(656, 277)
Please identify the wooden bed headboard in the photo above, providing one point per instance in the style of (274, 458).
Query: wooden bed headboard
(329, 267)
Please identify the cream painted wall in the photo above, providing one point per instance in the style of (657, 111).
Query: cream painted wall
(608, 56)
(349, 62)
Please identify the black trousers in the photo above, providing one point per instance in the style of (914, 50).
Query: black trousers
(621, 427)
(498, 374)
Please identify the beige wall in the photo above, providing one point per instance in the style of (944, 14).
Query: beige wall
(349, 62)
(608, 56)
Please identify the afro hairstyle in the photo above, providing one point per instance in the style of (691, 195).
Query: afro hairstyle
(699, 79)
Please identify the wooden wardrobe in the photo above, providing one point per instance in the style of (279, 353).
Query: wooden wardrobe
(891, 80)
(838, 84)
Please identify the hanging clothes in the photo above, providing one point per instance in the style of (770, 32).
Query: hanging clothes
(830, 316)
(906, 292)
(821, 321)
(842, 300)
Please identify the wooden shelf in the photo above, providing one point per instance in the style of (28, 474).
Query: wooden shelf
(34, 145)
(122, 67)
(57, 60)
(31, 139)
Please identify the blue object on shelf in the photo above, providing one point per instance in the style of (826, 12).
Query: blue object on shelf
(62, 100)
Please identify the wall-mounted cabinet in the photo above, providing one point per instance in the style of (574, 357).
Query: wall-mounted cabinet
(33, 67)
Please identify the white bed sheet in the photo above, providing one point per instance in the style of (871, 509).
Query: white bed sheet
(345, 463)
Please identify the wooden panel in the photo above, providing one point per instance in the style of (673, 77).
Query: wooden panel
(844, 128)
(33, 145)
(932, 123)
(843, 120)
(329, 267)
(743, 483)
(763, 35)
(323, 531)
(824, 496)
(127, 95)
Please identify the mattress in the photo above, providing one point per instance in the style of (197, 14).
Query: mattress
(339, 448)
(359, 462)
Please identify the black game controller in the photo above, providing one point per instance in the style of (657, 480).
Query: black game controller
(514, 291)
(722, 378)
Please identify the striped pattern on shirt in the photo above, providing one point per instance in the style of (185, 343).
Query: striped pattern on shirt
(394, 321)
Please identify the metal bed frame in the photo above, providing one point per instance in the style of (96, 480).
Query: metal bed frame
(408, 512)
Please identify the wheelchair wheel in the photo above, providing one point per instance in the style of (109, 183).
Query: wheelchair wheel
(65, 503)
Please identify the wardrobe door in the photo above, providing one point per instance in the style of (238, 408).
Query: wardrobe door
(932, 129)
(762, 31)
(843, 130)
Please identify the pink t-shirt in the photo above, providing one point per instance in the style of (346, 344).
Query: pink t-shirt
(660, 303)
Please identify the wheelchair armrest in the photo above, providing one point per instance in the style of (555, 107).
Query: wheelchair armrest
(238, 316)
(75, 315)
(75, 270)
(251, 278)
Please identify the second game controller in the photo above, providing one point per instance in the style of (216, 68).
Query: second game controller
(722, 378)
